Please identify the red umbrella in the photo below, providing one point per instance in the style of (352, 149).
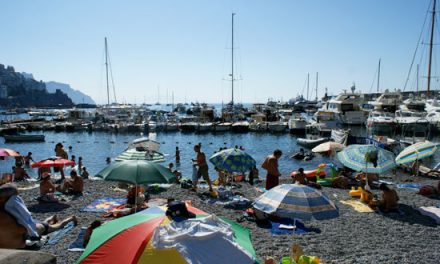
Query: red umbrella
(4, 152)
(53, 162)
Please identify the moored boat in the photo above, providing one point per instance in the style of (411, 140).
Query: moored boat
(23, 138)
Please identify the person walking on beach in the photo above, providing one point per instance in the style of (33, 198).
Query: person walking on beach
(270, 164)
(177, 155)
(202, 167)
(28, 159)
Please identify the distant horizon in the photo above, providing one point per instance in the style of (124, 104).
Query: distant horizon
(185, 47)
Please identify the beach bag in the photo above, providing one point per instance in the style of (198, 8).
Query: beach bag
(187, 184)
(427, 190)
(224, 194)
(178, 209)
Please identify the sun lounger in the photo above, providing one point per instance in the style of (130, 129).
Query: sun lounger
(77, 245)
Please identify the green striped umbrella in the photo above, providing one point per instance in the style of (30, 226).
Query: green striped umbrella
(416, 151)
(353, 157)
(137, 172)
(133, 154)
(233, 160)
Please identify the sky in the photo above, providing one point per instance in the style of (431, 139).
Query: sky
(183, 47)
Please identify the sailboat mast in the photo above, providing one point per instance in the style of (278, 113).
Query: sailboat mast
(232, 60)
(378, 76)
(430, 49)
(308, 80)
(316, 98)
(417, 79)
(106, 70)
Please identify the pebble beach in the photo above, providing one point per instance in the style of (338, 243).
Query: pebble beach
(353, 237)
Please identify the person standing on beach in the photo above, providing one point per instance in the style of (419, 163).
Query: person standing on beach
(60, 152)
(202, 167)
(28, 159)
(177, 155)
(270, 164)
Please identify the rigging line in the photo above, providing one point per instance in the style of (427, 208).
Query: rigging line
(374, 78)
(111, 75)
(304, 86)
(417, 47)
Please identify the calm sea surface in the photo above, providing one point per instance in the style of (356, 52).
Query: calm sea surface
(95, 147)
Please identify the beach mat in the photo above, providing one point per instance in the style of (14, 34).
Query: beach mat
(277, 230)
(102, 205)
(431, 211)
(54, 237)
(414, 186)
(358, 206)
(77, 245)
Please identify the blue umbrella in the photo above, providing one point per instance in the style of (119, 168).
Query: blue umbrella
(354, 157)
(296, 201)
(233, 160)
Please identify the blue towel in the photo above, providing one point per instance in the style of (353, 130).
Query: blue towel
(103, 205)
(409, 186)
(57, 235)
(77, 245)
(276, 230)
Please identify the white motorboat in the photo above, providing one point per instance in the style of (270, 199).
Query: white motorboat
(204, 127)
(310, 143)
(171, 126)
(258, 127)
(433, 118)
(277, 127)
(189, 126)
(381, 122)
(222, 127)
(297, 124)
(240, 126)
(347, 108)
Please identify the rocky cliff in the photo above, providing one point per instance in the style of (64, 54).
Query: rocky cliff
(77, 97)
(18, 91)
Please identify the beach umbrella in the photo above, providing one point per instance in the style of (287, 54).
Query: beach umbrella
(133, 154)
(233, 160)
(296, 201)
(355, 158)
(137, 172)
(151, 237)
(328, 146)
(5, 152)
(416, 151)
(53, 162)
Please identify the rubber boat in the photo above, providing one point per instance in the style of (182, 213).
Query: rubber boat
(311, 143)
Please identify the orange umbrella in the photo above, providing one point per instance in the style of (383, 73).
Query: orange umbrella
(53, 162)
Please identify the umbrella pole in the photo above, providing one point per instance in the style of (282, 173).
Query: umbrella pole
(135, 199)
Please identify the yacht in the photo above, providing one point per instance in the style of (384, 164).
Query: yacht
(381, 119)
(433, 118)
(276, 127)
(324, 121)
(240, 126)
(222, 127)
(347, 108)
(297, 124)
(411, 111)
(204, 127)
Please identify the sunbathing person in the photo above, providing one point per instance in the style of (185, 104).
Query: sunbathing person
(46, 185)
(389, 199)
(89, 231)
(12, 204)
(74, 185)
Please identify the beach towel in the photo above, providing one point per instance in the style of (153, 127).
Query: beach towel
(286, 226)
(16, 207)
(77, 245)
(102, 205)
(54, 237)
(414, 186)
(358, 206)
(431, 211)
(29, 187)
(260, 189)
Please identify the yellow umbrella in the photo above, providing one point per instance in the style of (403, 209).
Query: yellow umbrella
(328, 146)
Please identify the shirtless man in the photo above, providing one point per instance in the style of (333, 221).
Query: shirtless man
(203, 167)
(46, 185)
(74, 185)
(270, 164)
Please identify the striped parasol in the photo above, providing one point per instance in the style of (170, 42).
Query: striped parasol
(133, 154)
(151, 237)
(233, 160)
(416, 151)
(5, 152)
(354, 157)
(296, 201)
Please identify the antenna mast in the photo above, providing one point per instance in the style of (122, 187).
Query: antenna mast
(106, 70)
(430, 49)
(232, 60)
